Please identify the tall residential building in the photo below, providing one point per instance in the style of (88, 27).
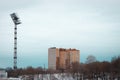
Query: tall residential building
(60, 58)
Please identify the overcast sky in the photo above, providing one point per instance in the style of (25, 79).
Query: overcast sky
(91, 26)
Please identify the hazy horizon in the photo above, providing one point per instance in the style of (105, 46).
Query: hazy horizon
(91, 26)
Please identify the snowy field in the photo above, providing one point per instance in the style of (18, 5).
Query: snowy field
(53, 77)
(57, 77)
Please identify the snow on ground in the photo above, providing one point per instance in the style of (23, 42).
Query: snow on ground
(58, 76)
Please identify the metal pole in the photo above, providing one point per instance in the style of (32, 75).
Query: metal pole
(15, 47)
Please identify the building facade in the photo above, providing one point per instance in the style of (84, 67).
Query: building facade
(3, 74)
(60, 58)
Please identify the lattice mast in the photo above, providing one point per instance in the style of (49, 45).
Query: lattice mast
(16, 22)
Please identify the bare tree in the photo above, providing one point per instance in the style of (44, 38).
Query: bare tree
(75, 69)
(116, 67)
(90, 59)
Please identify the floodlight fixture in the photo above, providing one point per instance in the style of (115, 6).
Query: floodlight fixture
(15, 18)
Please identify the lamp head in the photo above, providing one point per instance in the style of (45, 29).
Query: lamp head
(15, 18)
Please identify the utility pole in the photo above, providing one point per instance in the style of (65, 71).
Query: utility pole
(44, 67)
(16, 22)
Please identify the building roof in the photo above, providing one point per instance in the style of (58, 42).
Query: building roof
(1, 69)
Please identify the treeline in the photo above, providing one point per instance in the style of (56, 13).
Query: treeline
(84, 70)
(97, 69)
(26, 71)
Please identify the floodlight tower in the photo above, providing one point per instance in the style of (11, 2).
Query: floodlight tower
(16, 22)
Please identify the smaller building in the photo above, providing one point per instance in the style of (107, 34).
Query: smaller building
(3, 73)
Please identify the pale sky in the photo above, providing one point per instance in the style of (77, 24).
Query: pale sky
(91, 26)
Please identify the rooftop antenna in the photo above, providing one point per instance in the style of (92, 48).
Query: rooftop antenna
(16, 21)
